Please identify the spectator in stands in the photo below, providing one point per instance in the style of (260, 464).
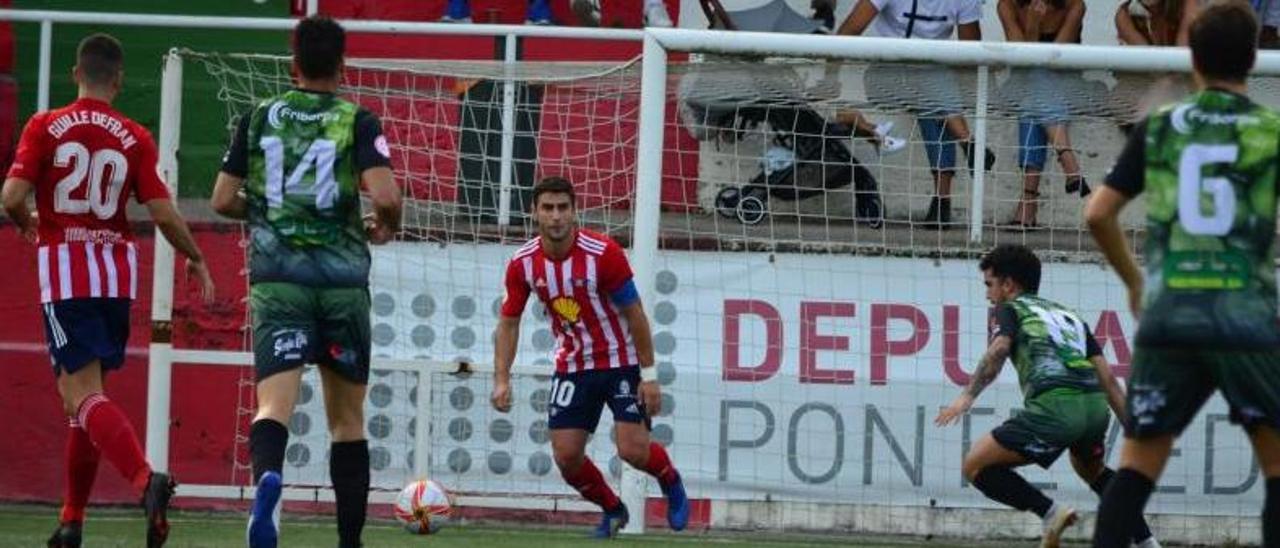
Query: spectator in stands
(941, 124)
(878, 134)
(824, 12)
(1269, 16)
(459, 11)
(539, 13)
(1154, 22)
(1043, 122)
(588, 12)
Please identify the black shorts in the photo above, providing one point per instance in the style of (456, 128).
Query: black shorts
(80, 331)
(578, 399)
(1057, 421)
(294, 325)
(1168, 386)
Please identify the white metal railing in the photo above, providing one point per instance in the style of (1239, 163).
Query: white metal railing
(947, 52)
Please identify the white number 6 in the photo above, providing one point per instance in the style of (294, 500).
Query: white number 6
(1191, 185)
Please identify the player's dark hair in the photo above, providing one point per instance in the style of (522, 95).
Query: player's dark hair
(100, 59)
(318, 46)
(554, 185)
(1224, 40)
(1015, 262)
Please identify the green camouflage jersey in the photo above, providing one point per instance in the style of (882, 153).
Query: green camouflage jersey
(301, 155)
(1208, 166)
(1051, 345)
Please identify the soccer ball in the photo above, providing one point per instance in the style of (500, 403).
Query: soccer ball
(423, 507)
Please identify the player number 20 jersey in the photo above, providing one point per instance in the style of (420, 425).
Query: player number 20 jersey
(85, 161)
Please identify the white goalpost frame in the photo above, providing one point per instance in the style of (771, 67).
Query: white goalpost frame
(162, 355)
(981, 56)
(649, 159)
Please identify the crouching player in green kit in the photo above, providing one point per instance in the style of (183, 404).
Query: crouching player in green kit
(1067, 386)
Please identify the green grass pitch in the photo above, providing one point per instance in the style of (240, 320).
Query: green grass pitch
(31, 525)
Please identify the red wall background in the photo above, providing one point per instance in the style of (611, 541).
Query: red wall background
(8, 94)
(204, 401)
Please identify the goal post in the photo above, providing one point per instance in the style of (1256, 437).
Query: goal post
(400, 91)
(802, 345)
(159, 354)
(163, 355)
(890, 317)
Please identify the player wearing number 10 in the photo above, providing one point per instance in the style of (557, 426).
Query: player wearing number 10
(85, 160)
(300, 159)
(1209, 167)
(605, 355)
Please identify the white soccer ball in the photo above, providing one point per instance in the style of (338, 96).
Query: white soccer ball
(423, 507)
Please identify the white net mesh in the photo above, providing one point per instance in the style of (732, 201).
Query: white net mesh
(435, 292)
(831, 343)
(804, 346)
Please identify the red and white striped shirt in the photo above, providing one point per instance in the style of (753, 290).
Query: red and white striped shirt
(85, 160)
(577, 291)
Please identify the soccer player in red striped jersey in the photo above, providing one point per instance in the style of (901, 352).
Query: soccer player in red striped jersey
(84, 161)
(605, 353)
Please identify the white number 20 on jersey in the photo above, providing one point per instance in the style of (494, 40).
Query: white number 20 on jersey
(1192, 185)
(106, 166)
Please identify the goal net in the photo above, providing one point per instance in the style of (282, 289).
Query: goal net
(811, 315)
(436, 290)
(833, 314)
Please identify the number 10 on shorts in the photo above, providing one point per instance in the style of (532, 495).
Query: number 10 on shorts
(561, 392)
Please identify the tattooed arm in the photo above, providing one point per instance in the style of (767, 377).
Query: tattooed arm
(988, 369)
(990, 366)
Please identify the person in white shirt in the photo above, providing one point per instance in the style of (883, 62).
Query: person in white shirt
(940, 120)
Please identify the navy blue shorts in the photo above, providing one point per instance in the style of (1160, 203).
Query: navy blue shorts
(578, 399)
(80, 331)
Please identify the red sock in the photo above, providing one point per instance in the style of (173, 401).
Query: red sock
(588, 481)
(659, 465)
(113, 435)
(82, 468)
